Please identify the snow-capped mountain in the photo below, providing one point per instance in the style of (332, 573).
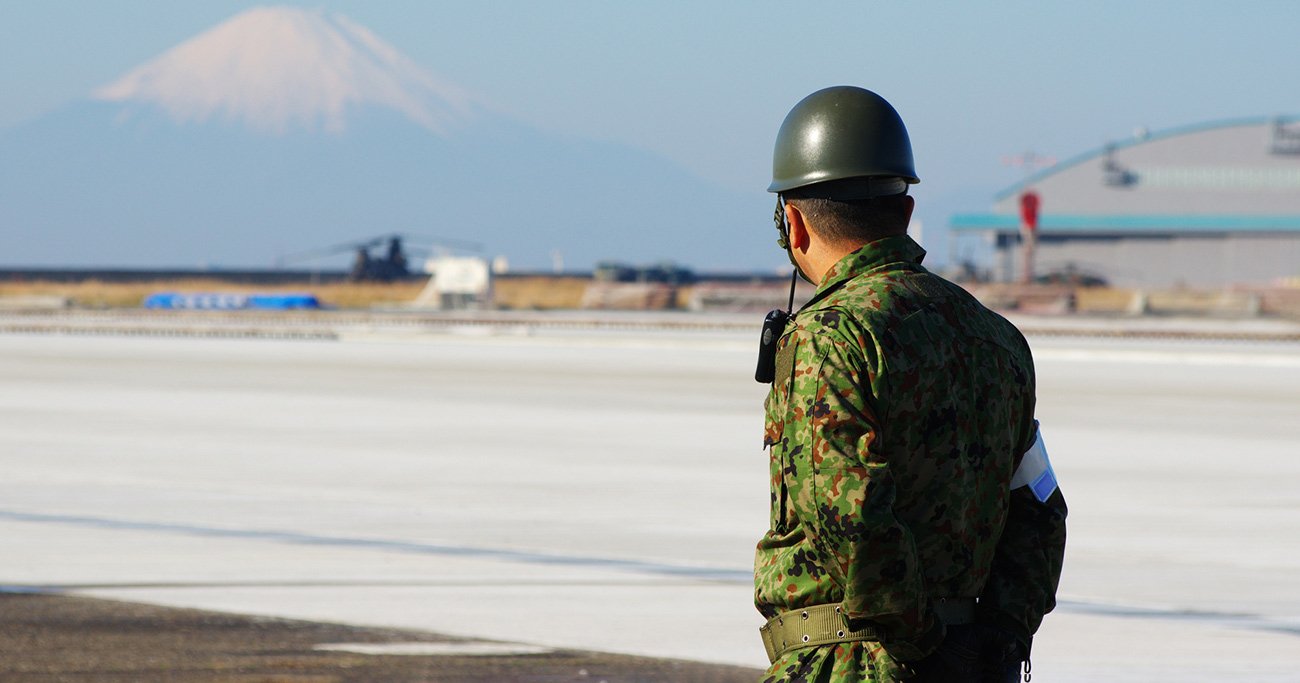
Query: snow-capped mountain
(275, 68)
(282, 130)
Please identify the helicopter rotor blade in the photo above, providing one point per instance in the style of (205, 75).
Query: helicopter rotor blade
(445, 242)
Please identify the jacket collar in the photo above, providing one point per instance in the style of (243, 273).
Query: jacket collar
(872, 255)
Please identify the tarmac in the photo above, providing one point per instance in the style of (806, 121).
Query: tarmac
(52, 638)
(584, 491)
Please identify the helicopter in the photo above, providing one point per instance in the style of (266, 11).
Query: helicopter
(390, 263)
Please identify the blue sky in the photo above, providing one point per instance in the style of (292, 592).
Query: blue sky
(706, 84)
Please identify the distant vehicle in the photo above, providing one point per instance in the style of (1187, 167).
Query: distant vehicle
(664, 273)
(1073, 276)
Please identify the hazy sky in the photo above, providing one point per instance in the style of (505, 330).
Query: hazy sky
(706, 84)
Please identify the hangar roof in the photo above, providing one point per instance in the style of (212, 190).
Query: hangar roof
(1225, 176)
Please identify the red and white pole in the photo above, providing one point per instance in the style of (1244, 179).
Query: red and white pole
(1028, 233)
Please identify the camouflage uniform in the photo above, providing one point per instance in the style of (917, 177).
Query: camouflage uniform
(900, 410)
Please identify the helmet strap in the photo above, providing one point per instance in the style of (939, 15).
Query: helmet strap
(789, 248)
(794, 278)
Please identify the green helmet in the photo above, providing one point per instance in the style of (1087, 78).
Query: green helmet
(840, 133)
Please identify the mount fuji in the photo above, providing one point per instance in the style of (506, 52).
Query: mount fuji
(284, 129)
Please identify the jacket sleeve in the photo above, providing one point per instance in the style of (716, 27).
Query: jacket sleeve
(1027, 564)
(844, 493)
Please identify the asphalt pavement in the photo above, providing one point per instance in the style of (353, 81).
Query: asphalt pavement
(49, 638)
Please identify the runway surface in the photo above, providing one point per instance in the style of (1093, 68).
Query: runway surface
(605, 491)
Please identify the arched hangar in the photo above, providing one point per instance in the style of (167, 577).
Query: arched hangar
(1203, 206)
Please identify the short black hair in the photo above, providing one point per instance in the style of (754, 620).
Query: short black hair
(857, 220)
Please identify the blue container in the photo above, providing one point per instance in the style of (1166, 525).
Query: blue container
(225, 301)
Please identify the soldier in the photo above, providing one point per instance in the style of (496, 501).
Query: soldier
(917, 532)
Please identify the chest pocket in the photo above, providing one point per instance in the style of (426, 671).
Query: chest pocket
(778, 398)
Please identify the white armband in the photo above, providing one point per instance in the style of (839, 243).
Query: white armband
(1035, 470)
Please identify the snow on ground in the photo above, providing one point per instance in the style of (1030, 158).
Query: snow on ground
(605, 492)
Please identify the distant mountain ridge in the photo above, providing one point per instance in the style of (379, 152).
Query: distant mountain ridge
(283, 129)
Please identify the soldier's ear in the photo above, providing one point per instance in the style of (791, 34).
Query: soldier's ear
(910, 203)
(798, 228)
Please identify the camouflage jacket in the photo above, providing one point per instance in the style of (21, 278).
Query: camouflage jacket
(900, 411)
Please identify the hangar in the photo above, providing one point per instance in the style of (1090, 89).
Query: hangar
(1210, 205)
